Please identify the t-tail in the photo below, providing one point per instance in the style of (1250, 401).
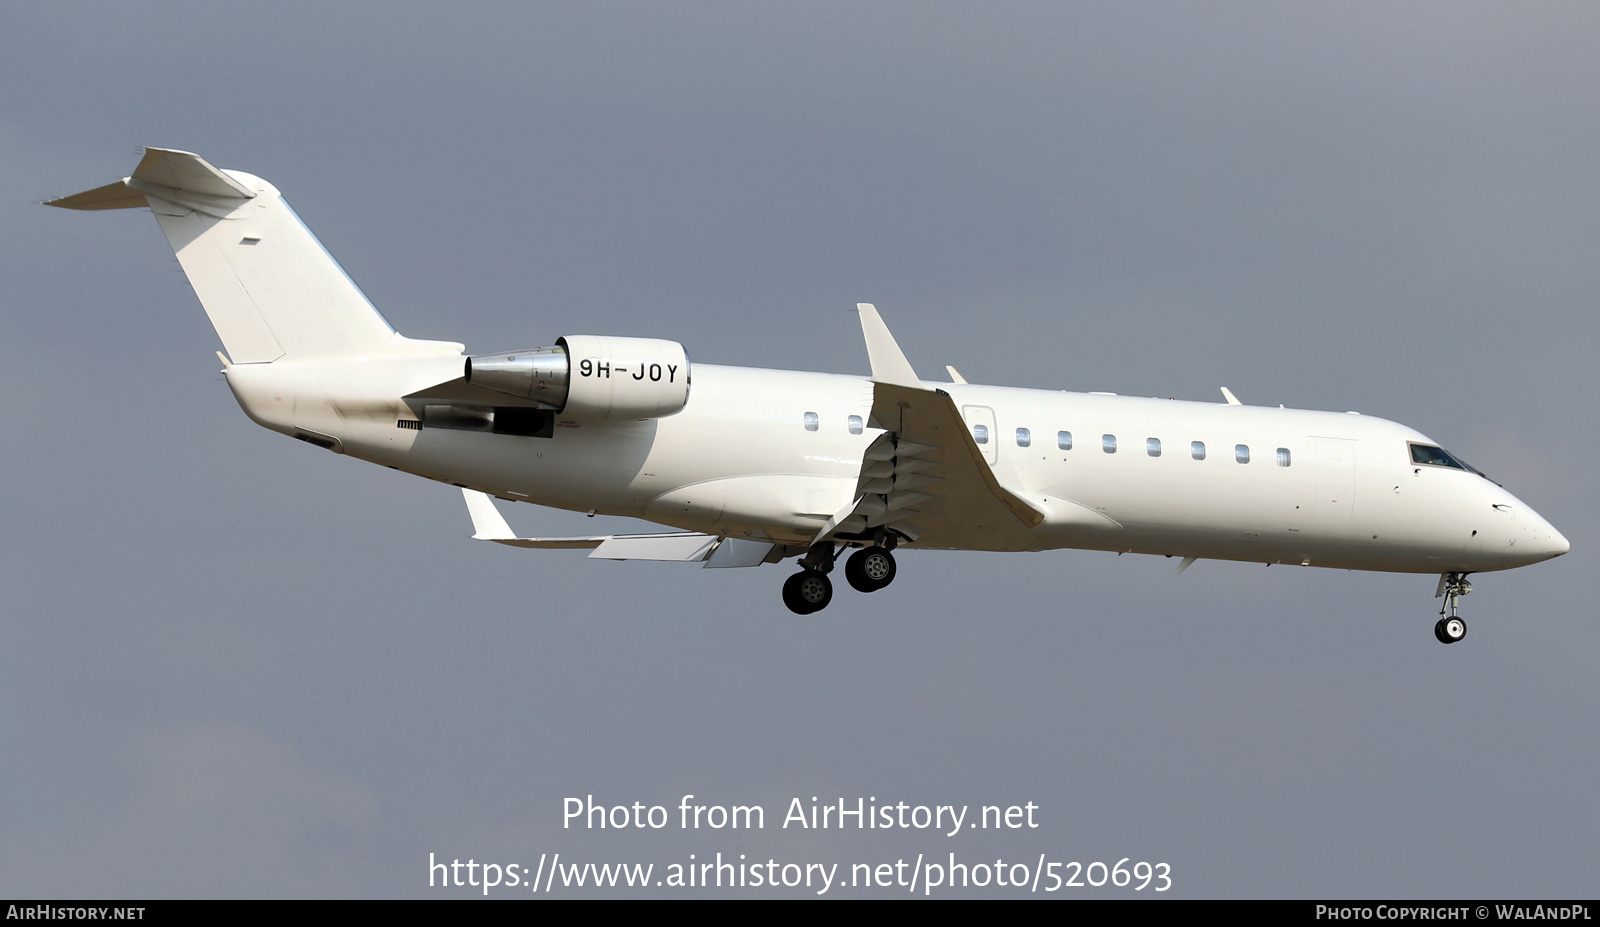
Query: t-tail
(307, 354)
(269, 287)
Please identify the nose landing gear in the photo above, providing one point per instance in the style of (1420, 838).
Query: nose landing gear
(1452, 586)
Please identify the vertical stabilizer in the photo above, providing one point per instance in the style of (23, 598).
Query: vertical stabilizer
(269, 287)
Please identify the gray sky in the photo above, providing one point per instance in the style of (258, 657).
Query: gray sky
(233, 664)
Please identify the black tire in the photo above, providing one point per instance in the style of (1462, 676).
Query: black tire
(807, 592)
(1450, 630)
(815, 589)
(870, 569)
(791, 595)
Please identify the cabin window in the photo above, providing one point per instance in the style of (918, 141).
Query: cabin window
(1024, 437)
(1283, 457)
(1197, 450)
(854, 422)
(1152, 446)
(811, 421)
(1064, 440)
(980, 434)
(1108, 443)
(1241, 453)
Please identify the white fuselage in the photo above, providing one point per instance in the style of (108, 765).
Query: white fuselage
(783, 457)
(1318, 488)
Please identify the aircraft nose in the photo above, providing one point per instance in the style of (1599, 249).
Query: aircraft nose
(1547, 541)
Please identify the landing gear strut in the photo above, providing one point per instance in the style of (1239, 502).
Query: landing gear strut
(1452, 586)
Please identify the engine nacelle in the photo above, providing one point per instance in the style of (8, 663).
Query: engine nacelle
(592, 377)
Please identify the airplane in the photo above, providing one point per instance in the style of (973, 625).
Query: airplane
(753, 466)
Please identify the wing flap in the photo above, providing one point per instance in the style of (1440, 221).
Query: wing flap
(926, 479)
(738, 552)
(936, 453)
(681, 548)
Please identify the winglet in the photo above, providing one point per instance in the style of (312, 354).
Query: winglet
(889, 364)
(955, 375)
(1232, 399)
(487, 522)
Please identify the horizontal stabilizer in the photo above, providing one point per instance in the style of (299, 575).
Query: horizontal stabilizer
(187, 171)
(111, 196)
(161, 170)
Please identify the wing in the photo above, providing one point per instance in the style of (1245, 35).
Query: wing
(680, 546)
(925, 479)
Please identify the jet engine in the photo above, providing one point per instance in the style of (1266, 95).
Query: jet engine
(592, 377)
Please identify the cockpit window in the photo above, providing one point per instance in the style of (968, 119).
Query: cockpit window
(1439, 457)
(1435, 457)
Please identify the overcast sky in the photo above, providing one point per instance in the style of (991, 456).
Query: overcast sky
(232, 664)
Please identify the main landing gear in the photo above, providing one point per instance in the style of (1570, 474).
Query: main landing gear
(807, 591)
(1449, 629)
(810, 590)
(869, 569)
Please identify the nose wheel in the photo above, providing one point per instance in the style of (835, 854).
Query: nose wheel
(1450, 628)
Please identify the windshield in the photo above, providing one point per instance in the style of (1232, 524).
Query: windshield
(1433, 456)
